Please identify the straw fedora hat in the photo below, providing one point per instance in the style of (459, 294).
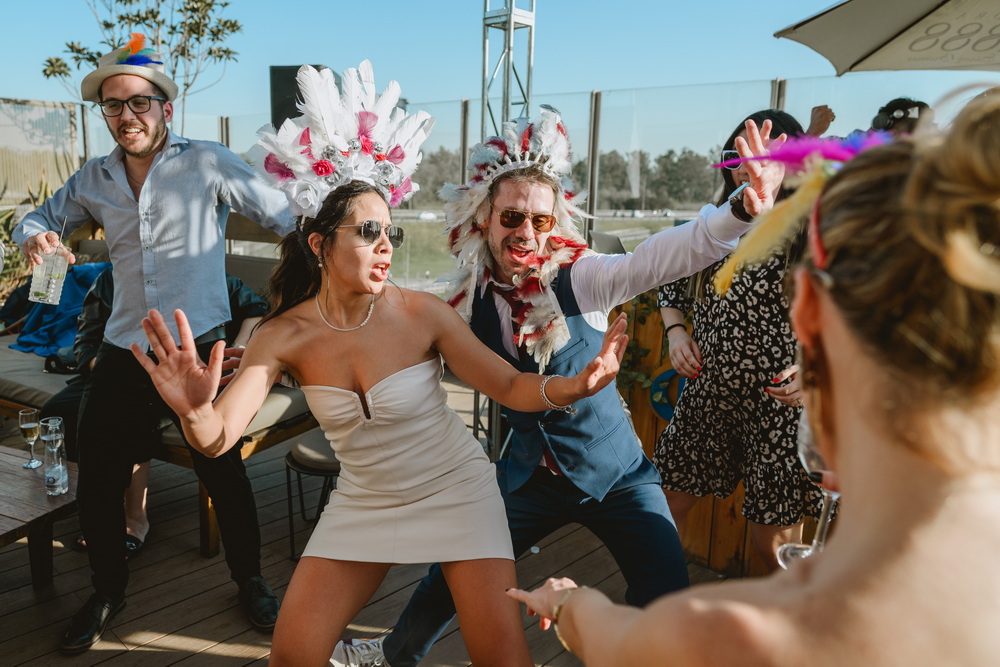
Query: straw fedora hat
(130, 59)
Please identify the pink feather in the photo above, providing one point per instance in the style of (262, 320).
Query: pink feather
(396, 155)
(366, 123)
(399, 193)
(305, 140)
(796, 150)
(273, 165)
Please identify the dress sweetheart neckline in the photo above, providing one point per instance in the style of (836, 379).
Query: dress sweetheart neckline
(374, 386)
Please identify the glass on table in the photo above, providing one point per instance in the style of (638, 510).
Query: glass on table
(56, 472)
(27, 420)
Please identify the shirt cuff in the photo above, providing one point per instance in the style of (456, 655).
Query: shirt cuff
(725, 226)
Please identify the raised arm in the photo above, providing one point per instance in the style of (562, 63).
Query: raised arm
(601, 282)
(478, 366)
(188, 385)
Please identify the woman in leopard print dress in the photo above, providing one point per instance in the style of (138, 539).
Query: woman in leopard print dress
(737, 418)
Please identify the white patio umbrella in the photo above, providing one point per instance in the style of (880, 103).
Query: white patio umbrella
(870, 35)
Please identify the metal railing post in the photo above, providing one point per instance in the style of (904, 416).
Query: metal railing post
(224, 131)
(593, 160)
(463, 151)
(778, 87)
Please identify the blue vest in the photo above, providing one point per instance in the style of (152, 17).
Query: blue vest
(596, 448)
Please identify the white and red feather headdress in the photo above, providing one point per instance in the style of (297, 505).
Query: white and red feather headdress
(354, 135)
(541, 143)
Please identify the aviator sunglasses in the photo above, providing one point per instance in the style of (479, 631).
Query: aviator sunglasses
(731, 155)
(512, 219)
(371, 230)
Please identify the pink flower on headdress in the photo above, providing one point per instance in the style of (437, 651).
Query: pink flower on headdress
(323, 168)
(366, 123)
(273, 165)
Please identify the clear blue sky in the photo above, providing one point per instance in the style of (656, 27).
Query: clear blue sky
(434, 49)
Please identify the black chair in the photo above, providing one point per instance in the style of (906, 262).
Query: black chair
(310, 454)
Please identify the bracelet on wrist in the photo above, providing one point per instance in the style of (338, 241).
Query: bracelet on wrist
(552, 406)
(675, 324)
(558, 610)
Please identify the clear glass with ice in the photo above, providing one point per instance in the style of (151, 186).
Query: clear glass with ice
(47, 278)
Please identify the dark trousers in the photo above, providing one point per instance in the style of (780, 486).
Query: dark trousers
(120, 418)
(634, 523)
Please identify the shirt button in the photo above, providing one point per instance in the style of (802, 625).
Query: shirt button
(147, 247)
(149, 282)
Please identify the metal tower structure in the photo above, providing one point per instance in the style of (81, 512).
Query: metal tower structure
(507, 20)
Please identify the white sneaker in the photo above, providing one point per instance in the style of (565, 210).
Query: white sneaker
(358, 653)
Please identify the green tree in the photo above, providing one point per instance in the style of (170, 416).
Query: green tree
(435, 170)
(683, 178)
(191, 35)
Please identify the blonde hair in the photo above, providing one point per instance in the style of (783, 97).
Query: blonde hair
(912, 231)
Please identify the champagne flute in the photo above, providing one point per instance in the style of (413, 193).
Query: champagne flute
(27, 420)
(814, 464)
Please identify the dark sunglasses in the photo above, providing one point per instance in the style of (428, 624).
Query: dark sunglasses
(137, 103)
(512, 219)
(730, 155)
(371, 231)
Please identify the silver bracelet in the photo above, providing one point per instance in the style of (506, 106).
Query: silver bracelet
(552, 406)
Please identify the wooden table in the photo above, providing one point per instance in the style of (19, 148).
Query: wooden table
(26, 510)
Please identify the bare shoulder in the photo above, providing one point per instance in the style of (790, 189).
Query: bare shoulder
(284, 332)
(704, 627)
(420, 304)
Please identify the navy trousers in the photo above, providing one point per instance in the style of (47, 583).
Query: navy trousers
(634, 523)
(120, 419)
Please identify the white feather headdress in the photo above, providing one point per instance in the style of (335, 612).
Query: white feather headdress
(356, 135)
(541, 143)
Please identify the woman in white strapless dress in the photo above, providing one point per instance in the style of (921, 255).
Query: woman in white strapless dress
(414, 486)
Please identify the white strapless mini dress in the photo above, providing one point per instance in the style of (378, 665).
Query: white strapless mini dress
(415, 486)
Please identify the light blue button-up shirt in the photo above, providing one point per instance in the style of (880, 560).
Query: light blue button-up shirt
(168, 248)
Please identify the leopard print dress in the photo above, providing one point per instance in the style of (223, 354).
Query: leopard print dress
(726, 428)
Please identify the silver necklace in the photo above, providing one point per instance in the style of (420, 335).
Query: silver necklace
(371, 309)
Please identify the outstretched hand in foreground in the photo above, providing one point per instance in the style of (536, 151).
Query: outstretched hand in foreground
(182, 379)
(542, 601)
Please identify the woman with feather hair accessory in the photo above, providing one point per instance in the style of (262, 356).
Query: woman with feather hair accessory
(897, 312)
(736, 420)
(414, 486)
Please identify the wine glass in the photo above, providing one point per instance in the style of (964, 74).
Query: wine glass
(814, 464)
(28, 421)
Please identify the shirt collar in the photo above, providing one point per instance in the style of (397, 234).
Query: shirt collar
(117, 156)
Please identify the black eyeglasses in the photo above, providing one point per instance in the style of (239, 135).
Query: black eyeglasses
(371, 230)
(730, 155)
(137, 103)
(512, 219)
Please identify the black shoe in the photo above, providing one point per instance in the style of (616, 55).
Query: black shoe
(259, 602)
(88, 625)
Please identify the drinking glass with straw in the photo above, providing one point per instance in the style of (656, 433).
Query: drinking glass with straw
(48, 277)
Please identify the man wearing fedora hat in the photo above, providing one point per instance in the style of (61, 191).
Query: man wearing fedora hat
(163, 202)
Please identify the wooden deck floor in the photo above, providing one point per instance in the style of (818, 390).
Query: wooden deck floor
(183, 608)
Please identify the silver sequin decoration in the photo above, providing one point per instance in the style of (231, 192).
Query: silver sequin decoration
(385, 172)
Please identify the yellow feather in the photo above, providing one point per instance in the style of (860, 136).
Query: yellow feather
(773, 228)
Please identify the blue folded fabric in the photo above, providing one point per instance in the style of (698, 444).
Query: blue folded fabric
(50, 327)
